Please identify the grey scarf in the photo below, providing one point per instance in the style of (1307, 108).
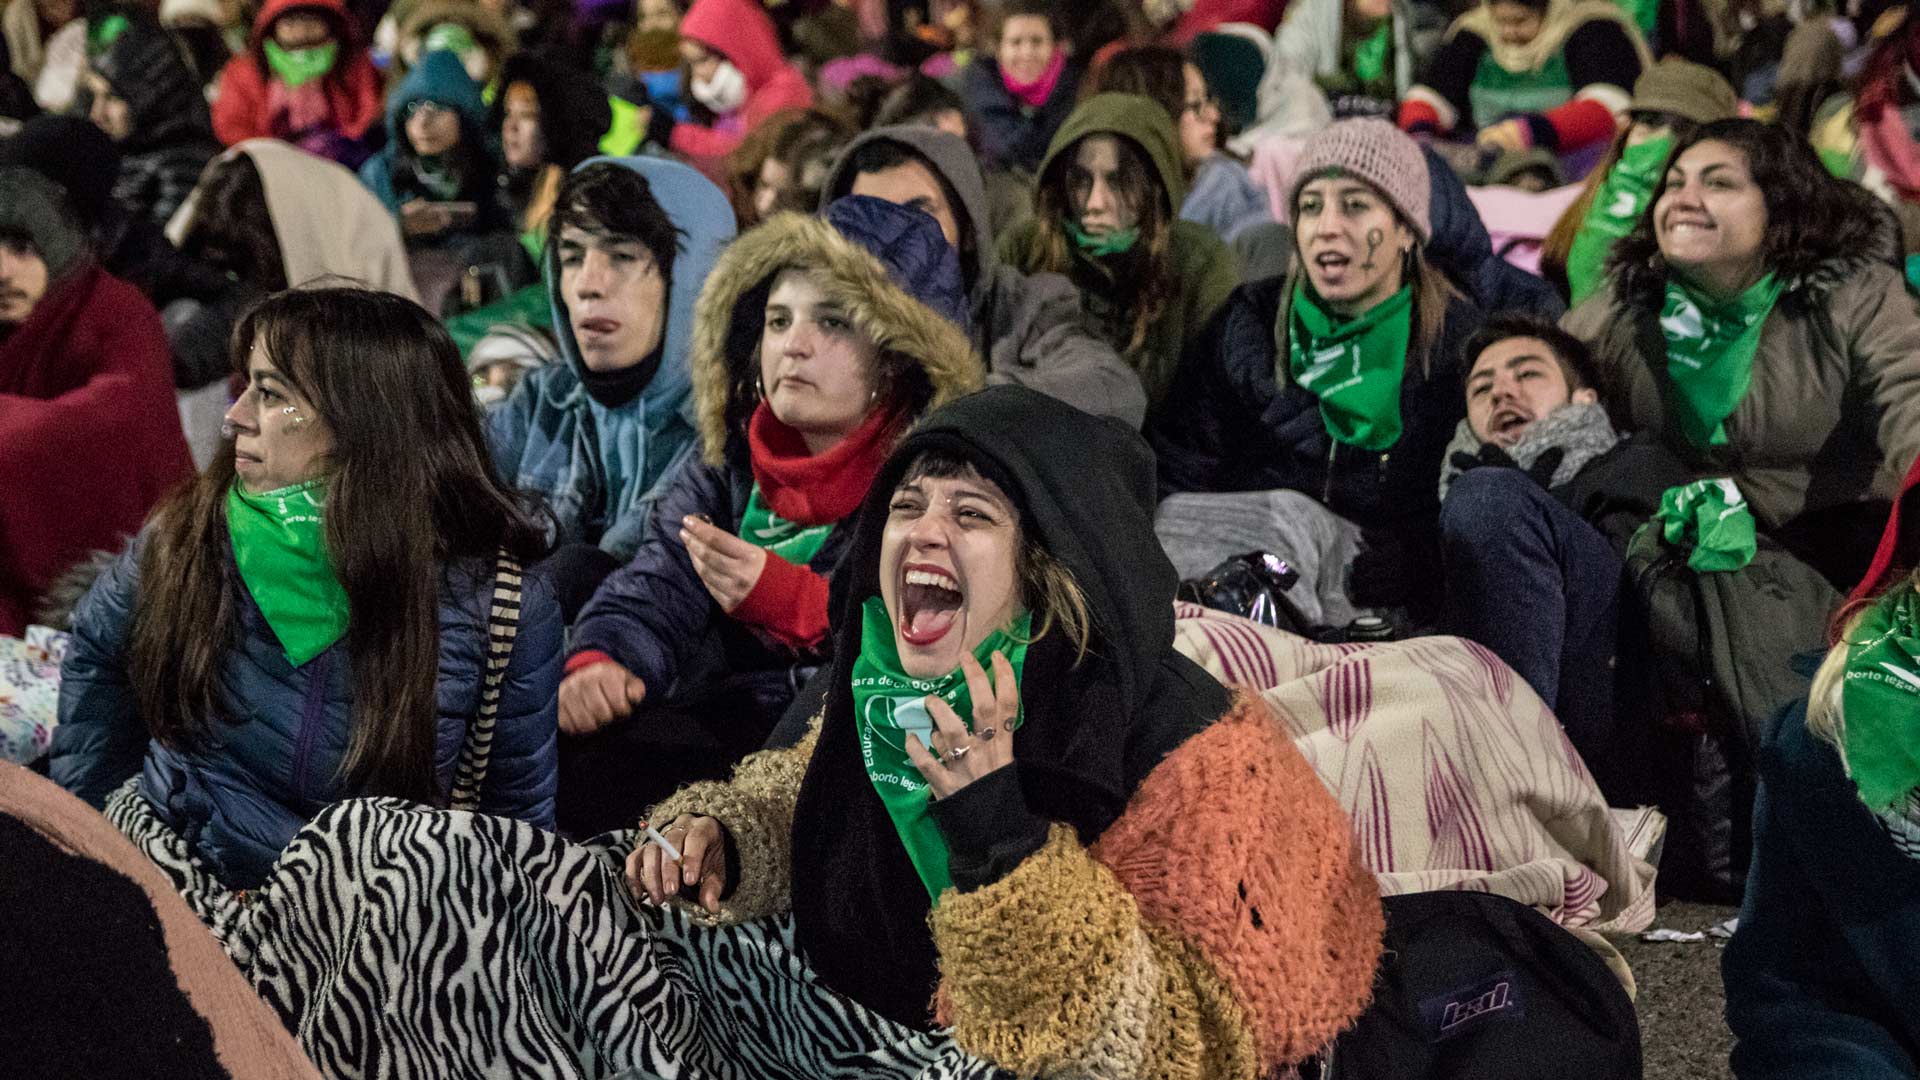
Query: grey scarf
(1582, 432)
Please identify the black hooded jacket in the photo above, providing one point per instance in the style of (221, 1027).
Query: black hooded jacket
(1084, 488)
(169, 133)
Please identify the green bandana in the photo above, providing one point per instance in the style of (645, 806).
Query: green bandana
(1100, 245)
(1616, 208)
(449, 37)
(1880, 699)
(103, 32)
(888, 705)
(1497, 93)
(1710, 351)
(1370, 55)
(280, 544)
(1354, 369)
(790, 540)
(298, 67)
(1711, 517)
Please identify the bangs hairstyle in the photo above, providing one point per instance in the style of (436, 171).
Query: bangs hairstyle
(1144, 283)
(1431, 289)
(1047, 587)
(412, 494)
(615, 202)
(1569, 353)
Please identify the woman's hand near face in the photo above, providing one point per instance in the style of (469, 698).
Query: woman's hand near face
(655, 878)
(990, 744)
(728, 566)
(597, 695)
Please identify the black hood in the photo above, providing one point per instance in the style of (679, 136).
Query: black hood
(574, 111)
(1084, 486)
(165, 103)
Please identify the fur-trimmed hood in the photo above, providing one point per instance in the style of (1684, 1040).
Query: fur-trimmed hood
(891, 250)
(1867, 233)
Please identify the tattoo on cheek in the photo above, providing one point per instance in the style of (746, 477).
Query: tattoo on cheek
(1374, 239)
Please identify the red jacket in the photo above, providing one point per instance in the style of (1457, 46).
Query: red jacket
(353, 86)
(741, 31)
(89, 432)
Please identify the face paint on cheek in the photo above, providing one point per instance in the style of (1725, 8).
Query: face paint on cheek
(1374, 239)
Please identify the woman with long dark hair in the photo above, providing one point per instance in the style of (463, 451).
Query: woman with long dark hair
(310, 620)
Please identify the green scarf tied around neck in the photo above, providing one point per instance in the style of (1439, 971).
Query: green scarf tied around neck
(1370, 54)
(1355, 368)
(298, 67)
(1880, 699)
(1616, 208)
(790, 540)
(1100, 245)
(279, 541)
(889, 704)
(1710, 350)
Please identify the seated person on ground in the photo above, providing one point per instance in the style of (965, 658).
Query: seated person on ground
(305, 78)
(973, 835)
(1318, 405)
(1106, 216)
(339, 593)
(818, 343)
(1522, 73)
(1755, 324)
(89, 432)
(631, 242)
(1018, 97)
(146, 98)
(1028, 327)
(736, 74)
(437, 173)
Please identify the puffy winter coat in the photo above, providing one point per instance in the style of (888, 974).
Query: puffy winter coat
(599, 468)
(893, 274)
(240, 798)
(741, 31)
(1012, 135)
(1230, 426)
(242, 111)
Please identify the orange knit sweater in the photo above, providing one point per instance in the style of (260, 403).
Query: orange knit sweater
(1222, 927)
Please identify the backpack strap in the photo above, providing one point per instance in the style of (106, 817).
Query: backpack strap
(503, 624)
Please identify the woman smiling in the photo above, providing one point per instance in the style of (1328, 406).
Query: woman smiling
(815, 344)
(1754, 320)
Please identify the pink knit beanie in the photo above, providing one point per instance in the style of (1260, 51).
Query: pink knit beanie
(1377, 152)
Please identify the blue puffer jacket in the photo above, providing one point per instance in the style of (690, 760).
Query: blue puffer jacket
(1229, 426)
(899, 282)
(240, 799)
(598, 468)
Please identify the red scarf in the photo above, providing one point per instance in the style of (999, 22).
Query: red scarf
(817, 489)
(1035, 94)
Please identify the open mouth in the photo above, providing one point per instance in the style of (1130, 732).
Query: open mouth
(596, 326)
(1332, 264)
(930, 603)
(1676, 224)
(1510, 422)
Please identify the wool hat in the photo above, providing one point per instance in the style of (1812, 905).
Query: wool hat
(1685, 89)
(71, 151)
(37, 208)
(1233, 67)
(1375, 151)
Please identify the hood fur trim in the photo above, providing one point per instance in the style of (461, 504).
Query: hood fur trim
(725, 357)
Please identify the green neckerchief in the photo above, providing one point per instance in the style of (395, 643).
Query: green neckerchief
(1880, 701)
(1615, 209)
(298, 67)
(103, 32)
(436, 174)
(1354, 368)
(888, 705)
(790, 540)
(1710, 349)
(1370, 54)
(1712, 518)
(1100, 245)
(280, 544)
(1497, 93)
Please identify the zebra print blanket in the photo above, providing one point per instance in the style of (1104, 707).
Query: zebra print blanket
(399, 941)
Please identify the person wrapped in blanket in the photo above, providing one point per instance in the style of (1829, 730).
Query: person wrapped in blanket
(1008, 819)
(816, 343)
(1523, 73)
(1823, 976)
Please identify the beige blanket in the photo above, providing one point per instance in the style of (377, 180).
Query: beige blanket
(1455, 773)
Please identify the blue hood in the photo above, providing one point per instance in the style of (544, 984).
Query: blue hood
(440, 78)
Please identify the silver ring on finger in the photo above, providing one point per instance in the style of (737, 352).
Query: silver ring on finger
(985, 733)
(959, 752)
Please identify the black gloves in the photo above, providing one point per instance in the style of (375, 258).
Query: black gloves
(1490, 454)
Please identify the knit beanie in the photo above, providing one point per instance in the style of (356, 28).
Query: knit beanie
(37, 208)
(1685, 89)
(72, 152)
(1375, 151)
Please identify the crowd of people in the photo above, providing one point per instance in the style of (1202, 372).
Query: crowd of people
(937, 536)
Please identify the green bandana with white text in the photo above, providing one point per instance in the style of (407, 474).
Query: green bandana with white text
(280, 544)
(1710, 350)
(1355, 368)
(1880, 700)
(1615, 209)
(790, 540)
(888, 705)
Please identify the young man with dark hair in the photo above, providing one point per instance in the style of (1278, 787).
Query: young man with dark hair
(631, 242)
(1028, 327)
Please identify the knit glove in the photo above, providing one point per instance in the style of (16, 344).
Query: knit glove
(1541, 473)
